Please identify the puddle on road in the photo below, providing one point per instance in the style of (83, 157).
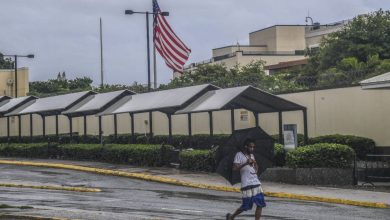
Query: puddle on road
(194, 195)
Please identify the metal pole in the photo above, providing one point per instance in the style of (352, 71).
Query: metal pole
(43, 125)
(31, 128)
(151, 124)
(211, 123)
(189, 124)
(281, 128)
(170, 127)
(8, 128)
(154, 55)
(100, 129)
(147, 47)
(132, 127)
(101, 54)
(57, 133)
(256, 119)
(232, 120)
(20, 127)
(16, 75)
(85, 126)
(115, 126)
(70, 127)
(305, 130)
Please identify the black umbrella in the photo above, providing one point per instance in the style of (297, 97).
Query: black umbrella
(264, 152)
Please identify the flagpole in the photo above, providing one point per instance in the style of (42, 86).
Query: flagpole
(101, 54)
(154, 58)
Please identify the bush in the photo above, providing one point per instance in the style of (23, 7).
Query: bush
(280, 155)
(197, 160)
(137, 154)
(321, 155)
(37, 150)
(81, 151)
(361, 145)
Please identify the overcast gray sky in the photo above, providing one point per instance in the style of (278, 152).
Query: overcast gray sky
(64, 34)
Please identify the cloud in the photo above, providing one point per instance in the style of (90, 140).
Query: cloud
(64, 34)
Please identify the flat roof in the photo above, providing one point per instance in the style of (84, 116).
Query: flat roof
(246, 97)
(52, 105)
(166, 101)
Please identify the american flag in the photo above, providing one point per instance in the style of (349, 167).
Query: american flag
(168, 45)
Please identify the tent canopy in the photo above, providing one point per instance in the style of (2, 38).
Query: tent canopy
(12, 104)
(246, 97)
(53, 105)
(97, 103)
(2, 98)
(166, 101)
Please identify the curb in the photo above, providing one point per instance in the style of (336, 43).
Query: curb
(64, 188)
(191, 184)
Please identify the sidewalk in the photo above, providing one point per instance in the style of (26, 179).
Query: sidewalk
(305, 192)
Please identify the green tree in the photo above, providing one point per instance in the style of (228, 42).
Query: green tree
(6, 63)
(365, 36)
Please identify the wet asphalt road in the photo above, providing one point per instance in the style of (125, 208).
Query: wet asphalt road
(124, 198)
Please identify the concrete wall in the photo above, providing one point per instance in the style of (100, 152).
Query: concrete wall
(280, 38)
(344, 111)
(232, 49)
(9, 90)
(290, 38)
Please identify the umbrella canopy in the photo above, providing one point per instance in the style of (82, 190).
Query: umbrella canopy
(264, 152)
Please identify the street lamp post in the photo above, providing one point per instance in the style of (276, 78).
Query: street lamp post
(16, 68)
(130, 12)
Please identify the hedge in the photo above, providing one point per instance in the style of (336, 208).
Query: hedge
(36, 150)
(141, 155)
(361, 145)
(198, 141)
(198, 160)
(321, 155)
(280, 155)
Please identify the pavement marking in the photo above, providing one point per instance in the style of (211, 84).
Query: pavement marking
(65, 188)
(177, 182)
(182, 210)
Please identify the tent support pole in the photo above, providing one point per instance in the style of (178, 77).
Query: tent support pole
(232, 120)
(211, 123)
(132, 128)
(115, 126)
(305, 130)
(280, 128)
(170, 127)
(31, 128)
(43, 125)
(151, 124)
(20, 127)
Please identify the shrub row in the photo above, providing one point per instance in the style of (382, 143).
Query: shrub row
(321, 155)
(361, 145)
(198, 141)
(198, 160)
(142, 155)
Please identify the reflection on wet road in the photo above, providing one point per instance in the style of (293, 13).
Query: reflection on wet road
(124, 198)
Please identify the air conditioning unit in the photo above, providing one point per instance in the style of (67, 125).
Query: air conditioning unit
(10, 82)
